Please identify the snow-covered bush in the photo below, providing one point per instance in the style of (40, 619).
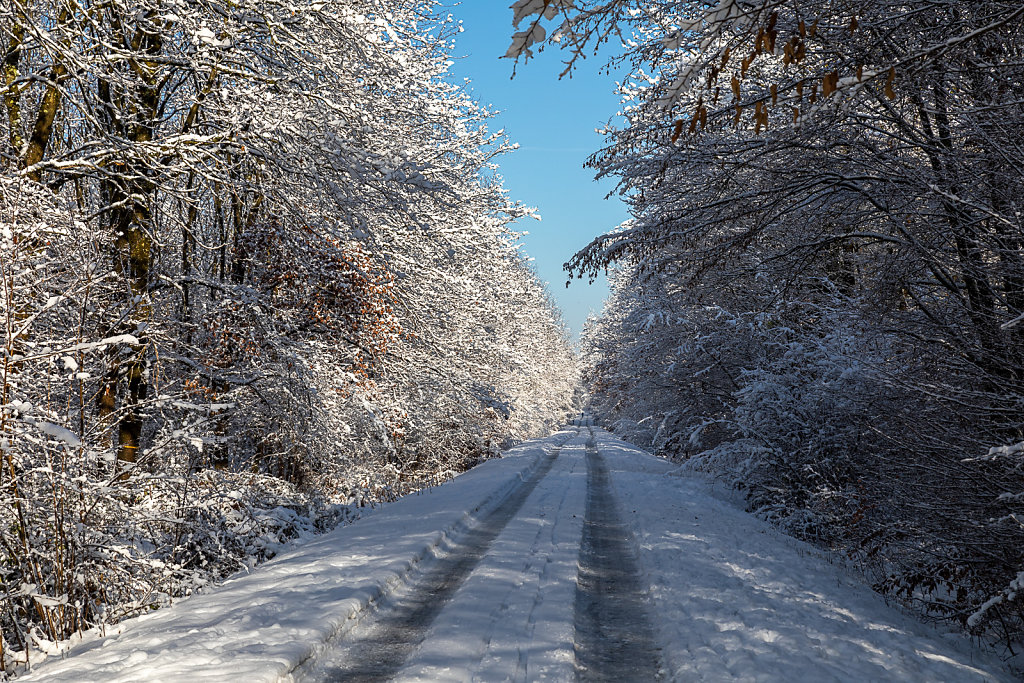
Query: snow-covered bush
(1003, 610)
(804, 412)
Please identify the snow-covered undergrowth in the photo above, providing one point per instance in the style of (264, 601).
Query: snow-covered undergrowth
(260, 625)
(162, 543)
(830, 430)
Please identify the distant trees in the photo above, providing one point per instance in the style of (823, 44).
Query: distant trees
(820, 287)
(254, 265)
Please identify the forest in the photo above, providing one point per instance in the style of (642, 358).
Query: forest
(257, 270)
(819, 297)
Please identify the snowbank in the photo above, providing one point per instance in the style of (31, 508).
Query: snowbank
(260, 626)
(737, 600)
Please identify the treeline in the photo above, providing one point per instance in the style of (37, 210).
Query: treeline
(820, 293)
(255, 268)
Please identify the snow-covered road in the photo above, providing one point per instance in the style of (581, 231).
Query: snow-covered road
(575, 556)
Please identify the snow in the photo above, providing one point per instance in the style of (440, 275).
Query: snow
(736, 596)
(730, 598)
(56, 432)
(100, 345)
(260, 626)
(514, 614)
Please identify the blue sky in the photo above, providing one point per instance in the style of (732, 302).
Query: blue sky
(553, 121)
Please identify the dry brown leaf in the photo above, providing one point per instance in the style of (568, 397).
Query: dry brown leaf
(746, 64)
(678, 130)
(889, 92)
(760, 117)
(829, 83)
(800, 53)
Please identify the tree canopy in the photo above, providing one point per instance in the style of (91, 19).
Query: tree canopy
(819, 290)
(256, 269)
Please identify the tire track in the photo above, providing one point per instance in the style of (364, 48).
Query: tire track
(614, 637)
(381, 644)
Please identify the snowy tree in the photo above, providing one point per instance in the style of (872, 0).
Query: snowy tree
(257, 271)
(861, 160)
